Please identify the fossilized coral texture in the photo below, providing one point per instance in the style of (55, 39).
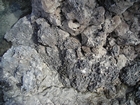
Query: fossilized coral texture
(73, 52)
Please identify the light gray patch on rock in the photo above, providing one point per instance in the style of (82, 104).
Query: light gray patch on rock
(21, 33)
(46, 35)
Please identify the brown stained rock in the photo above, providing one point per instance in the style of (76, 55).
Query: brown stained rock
(79, 53)
(111, 24)
(126, 36)
(99, 51)
(122, 29)
(72, 43)
(80, 15)
(86, 49)
(55, 17)
(92, 37)
(50, 11)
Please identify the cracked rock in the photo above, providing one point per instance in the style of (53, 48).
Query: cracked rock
(73, 52)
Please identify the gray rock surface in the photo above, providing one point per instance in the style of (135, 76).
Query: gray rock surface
(10, 12)
(131, 74)
(118, 6)
(21, 33)
(32, 78)
(73, 53)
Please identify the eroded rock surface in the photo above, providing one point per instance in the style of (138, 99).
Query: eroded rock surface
(73, 53)
(10, 12)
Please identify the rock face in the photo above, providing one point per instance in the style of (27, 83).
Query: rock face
(73, 53)
(10, 12)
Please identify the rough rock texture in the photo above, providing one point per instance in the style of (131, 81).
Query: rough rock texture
(73, 53)
(21, 33)
(10, 12)
(117, 6)
(29, 76)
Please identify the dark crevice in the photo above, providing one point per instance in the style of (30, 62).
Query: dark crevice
(35, 31)
(79, 37)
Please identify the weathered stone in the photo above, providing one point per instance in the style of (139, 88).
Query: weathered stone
(73, 27)
(77, 10)
(72, 53)
(86, 49)
(48, 9)
(118, 7)
(10, 12)
(46, 35)
(80, 14)
(98, 16)
(62, 37)
(115, 50)
(111, 24)
(122, 29)
(91, 37)
(129, 38)
(21, 33)
(131, 74)
(129, 52)
(99, 52)
(72, 43)
(121, 61)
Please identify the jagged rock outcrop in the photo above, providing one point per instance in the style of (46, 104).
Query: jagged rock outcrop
(72, 53)
(21, 33)
(10, 12)
(131, 73)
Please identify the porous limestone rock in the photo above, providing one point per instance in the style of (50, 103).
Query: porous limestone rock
(81, 16)
(49, 9)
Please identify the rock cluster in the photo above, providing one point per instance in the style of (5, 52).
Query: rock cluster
(10, 12)
(73, 53)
